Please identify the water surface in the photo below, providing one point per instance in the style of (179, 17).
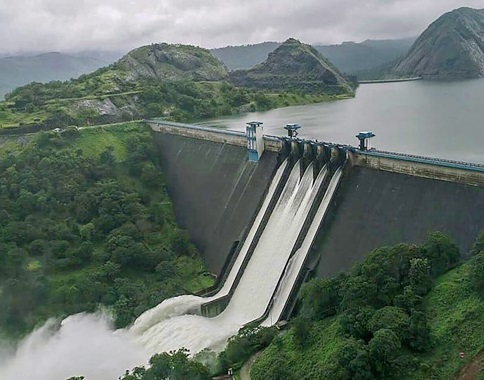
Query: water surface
(437, 119)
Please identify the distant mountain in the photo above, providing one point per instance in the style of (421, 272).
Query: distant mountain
(20, 70)
(451, 47)
(352, 57)
(348, 57)
(246, 56)
(293, 66)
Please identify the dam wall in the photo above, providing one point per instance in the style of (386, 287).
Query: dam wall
(215, 190)
(377, 206)
(440, 169)
(384, 198)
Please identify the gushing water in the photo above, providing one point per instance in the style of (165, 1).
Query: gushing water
(296, 262)
(83, 344)
(87, 345)
(257, 284)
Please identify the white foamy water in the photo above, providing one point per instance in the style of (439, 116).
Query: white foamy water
(87, 345)
(296, 262)
(257, 284)
(83, 344)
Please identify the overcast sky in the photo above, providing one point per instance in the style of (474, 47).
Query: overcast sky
(70, 25)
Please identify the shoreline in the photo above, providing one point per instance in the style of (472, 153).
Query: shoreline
(389, 80)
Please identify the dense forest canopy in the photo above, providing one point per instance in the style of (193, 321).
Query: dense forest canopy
(85, 220)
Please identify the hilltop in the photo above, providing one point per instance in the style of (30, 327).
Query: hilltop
(178, 82)
(295, 66)
(451, 47)
(172, 62)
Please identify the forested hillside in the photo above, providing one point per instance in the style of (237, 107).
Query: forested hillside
(85, 220)
(404, 312)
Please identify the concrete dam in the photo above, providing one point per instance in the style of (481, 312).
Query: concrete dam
(267, 212)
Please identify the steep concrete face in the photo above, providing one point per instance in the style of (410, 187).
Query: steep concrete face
(376, 208)
(215, 190)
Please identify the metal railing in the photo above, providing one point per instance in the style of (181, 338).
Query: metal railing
(425, 160)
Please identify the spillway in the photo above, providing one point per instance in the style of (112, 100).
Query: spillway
(191, 304)
(161, 329)
(296, 262)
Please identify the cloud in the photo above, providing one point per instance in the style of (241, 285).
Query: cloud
(70, 25)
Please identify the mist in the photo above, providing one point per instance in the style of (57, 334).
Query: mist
(80, 345)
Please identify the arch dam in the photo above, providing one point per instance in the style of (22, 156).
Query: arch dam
(223, 200)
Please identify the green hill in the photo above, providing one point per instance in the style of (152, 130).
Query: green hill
(348, 57)
(294, 66)
(451, 47)
(178, 82)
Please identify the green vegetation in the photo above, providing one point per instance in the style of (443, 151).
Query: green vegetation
(170, 366)
(177, 82)
(85, 220)
(296, 67)
(403, 312)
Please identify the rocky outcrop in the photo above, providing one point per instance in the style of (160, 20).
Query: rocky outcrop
(293, 66)
(172, 62)
(451, 47)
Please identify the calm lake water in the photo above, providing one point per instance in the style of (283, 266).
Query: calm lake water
(436, 119)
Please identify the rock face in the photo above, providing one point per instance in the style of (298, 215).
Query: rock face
(293, 66)
(172, 62)
(451, 47)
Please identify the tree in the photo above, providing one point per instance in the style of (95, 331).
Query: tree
(170, 366)
(358, 291)
(441, 252)
(384, 348)
(320, 297)
(478, 245)
(301, 331)
(419, 332)
(354, 322)
(392, 318)
(420, 275)
(353, 358)
(476, 273)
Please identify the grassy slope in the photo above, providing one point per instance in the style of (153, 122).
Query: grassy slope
(456, 321)
(455, 318)
(311, 361)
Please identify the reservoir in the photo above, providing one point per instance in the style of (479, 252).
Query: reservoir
(436, 119)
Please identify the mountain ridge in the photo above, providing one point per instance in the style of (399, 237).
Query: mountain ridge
(451, 47)
(16, 71)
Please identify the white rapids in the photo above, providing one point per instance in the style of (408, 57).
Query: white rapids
(257, 283)
(86, 344)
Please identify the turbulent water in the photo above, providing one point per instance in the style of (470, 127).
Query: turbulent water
(260, 277)
(87, 345)
(83, 344)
